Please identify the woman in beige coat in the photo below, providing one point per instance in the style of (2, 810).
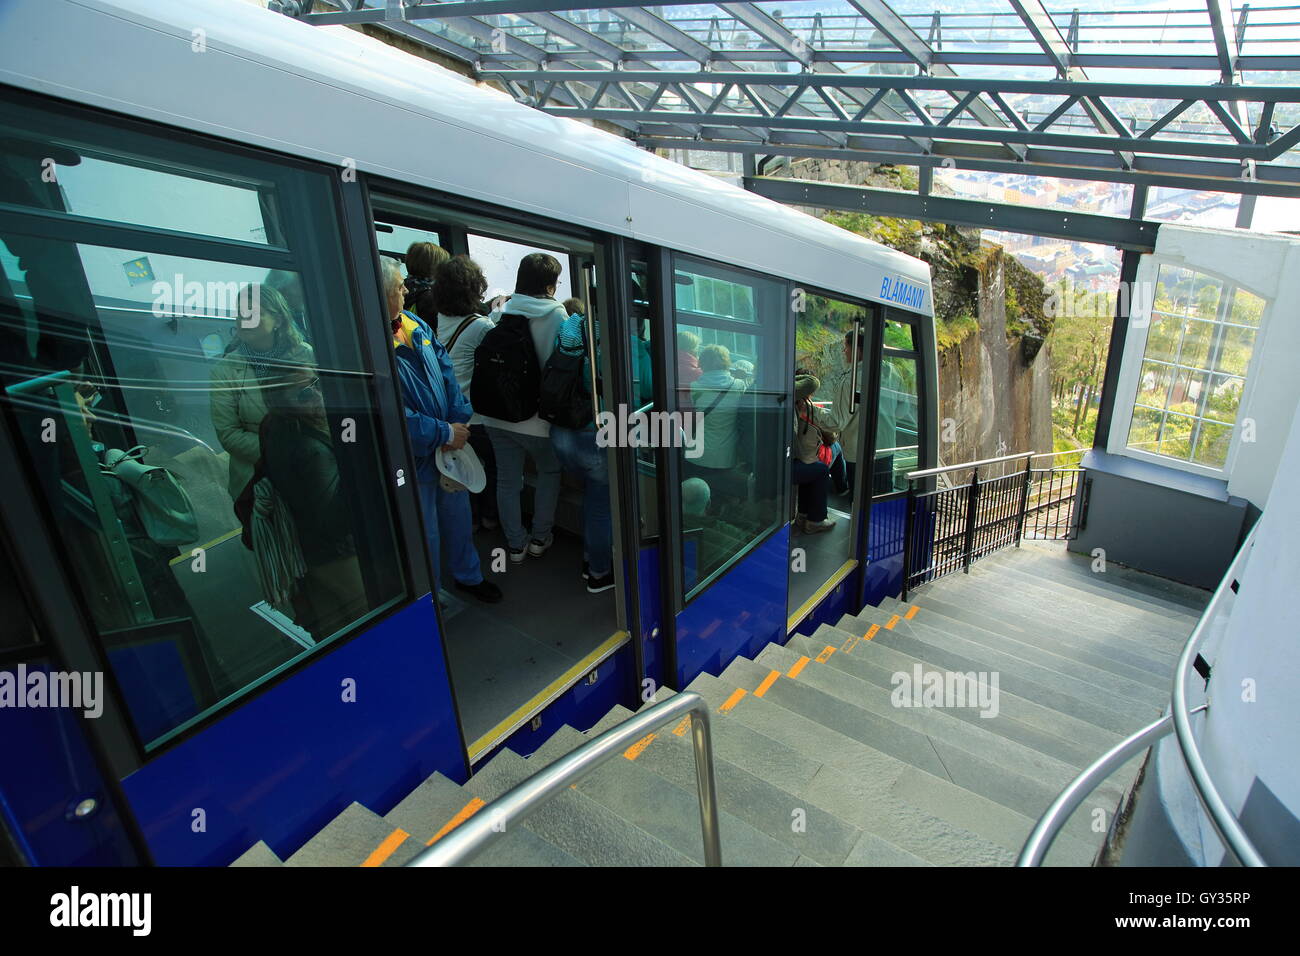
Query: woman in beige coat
(254, 360)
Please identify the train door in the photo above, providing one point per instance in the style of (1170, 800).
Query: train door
(726, 394)
(832, 339)
(191, 365)
(546, 528)
(902, 408)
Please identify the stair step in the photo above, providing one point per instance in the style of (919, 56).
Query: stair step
(1128, 585)
(1126, 649)
(880, 659)
(1041, 689)
(1076, 606)
(1018, 720)
(950, 649)
(1005, 633)
(438, 805)
(1013, 783)
(862, 785)
(763, 804)
(259, 854)
(575, 823)
(357, 837)
(663, 809)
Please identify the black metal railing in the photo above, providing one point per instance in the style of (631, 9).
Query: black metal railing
(1004, 500)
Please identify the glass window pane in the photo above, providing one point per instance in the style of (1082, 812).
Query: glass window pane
(731, 378)
(897, 425)
(898, 335)
(1200, 327)
(59, 169)
(168, 420)
(499, 259)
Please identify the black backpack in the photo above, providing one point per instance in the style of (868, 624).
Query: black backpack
(506, 372)
(565, 399)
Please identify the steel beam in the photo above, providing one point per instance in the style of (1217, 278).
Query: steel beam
(1133, 234)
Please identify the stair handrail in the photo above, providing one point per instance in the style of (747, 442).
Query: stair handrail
(472, 836)
(927, 472)
(1178, 721)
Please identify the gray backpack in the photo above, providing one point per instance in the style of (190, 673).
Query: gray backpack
(164, 508)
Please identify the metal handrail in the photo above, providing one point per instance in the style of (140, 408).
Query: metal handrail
(1225, 822)
(926, 473)
(1179, 721)
(472, 836)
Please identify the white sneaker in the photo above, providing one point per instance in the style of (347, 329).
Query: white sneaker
(815, 527)
(538, 547)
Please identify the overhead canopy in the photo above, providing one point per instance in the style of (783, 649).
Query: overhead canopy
(1192, 94)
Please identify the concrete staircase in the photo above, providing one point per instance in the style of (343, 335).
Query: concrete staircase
(815, 764)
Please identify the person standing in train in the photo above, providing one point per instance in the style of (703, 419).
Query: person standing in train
(423, 259)
(512, 441)
(811, 465)
(436, 417)
(456, 298)
(842, 416)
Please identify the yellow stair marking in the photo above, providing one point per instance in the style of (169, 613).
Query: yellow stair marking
(635, 750)
(386, 849)
(892, 621)
(911, 612)
(871, 633)
(825, 655)
(683, 727)
(732, 701)
(467, 811)
(799, 665)
(768, 681)
(850, 643)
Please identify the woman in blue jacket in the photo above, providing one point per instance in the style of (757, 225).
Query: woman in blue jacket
(436, 416)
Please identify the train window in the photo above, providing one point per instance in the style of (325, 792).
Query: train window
(499, 259)
(898, 335)
(394, 240)
(641, 334)
(731, 379)
(1198, 350)
(80, 176)
(897, 421)
(202, 432)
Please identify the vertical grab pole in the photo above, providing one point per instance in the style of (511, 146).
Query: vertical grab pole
(972, 510)
(908, 527)
(589, 283)
(708, 791)
(1024, 498)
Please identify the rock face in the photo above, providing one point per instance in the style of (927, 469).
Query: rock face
(994, 372)
(995, 385)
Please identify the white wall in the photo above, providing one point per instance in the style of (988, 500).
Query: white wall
(1243, 739)
(1268, 265)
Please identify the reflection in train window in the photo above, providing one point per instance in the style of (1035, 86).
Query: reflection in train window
(499, 259)
(204, 442)
(731, 380)
(897, 445)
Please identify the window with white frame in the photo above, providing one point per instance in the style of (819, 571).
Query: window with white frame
(1195, 359)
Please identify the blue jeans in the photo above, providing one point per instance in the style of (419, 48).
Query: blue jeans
(510, 448)
(814, 482)
(578, 452)
(447, 520)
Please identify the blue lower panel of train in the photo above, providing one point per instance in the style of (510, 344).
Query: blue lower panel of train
(366, 722)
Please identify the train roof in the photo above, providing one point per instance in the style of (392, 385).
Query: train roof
(234, 70)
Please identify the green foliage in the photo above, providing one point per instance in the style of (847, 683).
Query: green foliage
(952, 333)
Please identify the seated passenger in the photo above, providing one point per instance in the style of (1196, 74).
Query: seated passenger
(422, 262)
(456, 298)
(716, 397)
(534, 299)
(578, 452)
(257, 354)
(811, 466)
(298, 456)
(436, 416)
